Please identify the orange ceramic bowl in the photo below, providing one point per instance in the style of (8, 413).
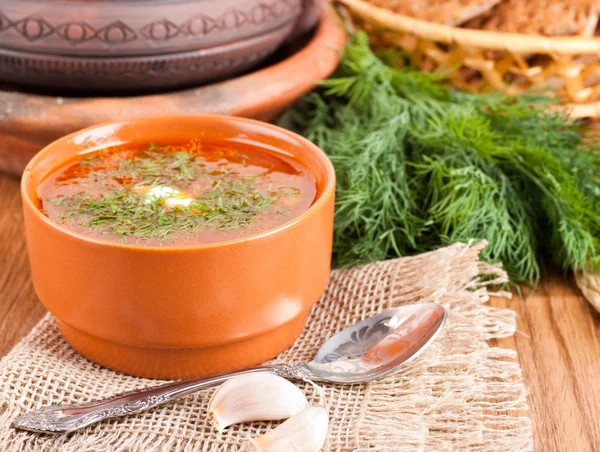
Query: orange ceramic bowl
(180, 312)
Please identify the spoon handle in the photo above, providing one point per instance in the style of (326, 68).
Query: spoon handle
(68, 418)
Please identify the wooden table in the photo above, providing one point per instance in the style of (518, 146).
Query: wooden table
(557, 342)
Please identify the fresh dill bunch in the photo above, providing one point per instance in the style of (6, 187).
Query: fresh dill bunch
(373, 201)
(420, 166)
(465, 200)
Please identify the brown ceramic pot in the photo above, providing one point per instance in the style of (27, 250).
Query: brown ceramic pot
(107, 46)
(28, 122)
(108, 28)
(179, 312)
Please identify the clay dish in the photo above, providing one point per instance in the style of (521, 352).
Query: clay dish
(181, 311)
(28, 122)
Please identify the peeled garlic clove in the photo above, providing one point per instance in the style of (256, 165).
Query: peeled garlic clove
(258, 396)
(303, 432)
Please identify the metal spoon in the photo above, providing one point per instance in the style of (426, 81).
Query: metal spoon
(367, 350)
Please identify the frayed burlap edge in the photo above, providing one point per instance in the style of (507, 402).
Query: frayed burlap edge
(461, 394)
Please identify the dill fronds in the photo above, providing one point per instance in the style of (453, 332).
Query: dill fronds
(119, 203)
(420, 166)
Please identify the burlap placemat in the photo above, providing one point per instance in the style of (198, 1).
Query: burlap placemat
(460, 394)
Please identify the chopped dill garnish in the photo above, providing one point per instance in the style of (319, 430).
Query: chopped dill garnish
(90, 160)
(420, 166)
(128, 204)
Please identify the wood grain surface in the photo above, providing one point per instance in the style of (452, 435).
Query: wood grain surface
(19, 308)
(557, 342)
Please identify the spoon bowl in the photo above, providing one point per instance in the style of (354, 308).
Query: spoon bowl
(378, 345)
(365, 351)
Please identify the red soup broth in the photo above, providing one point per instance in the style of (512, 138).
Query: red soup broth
(189, 193)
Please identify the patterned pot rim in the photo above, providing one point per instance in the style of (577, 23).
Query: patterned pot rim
(137, 27)
(173, 70)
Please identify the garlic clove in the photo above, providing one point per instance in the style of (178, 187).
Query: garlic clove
(259, 396)
(303, 432)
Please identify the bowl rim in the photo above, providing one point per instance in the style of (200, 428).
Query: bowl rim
(320, 201)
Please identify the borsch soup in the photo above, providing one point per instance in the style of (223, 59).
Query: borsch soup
(187, 193)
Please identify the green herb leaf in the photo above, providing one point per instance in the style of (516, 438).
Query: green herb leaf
(420, 166)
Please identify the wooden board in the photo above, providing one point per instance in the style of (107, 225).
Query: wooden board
(558, 342)
(19, 308)
(559, 352)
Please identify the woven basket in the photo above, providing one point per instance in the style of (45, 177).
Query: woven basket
(488, 60)
(589, 284)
